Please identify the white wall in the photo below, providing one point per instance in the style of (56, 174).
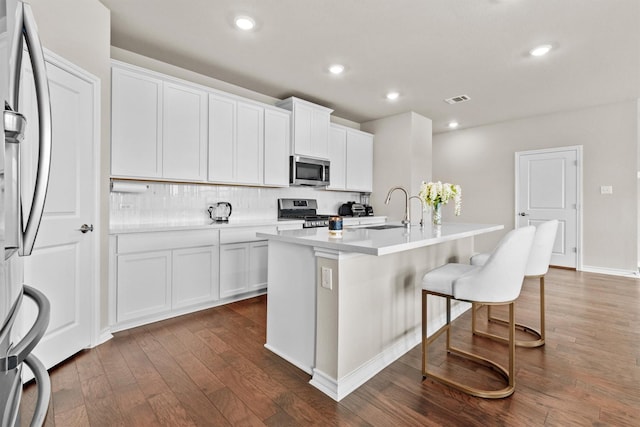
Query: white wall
(80, 32)
(401, 157)
(481, 160)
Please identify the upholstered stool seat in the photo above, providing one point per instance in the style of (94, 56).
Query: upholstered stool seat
(537, 267)
(498, 281)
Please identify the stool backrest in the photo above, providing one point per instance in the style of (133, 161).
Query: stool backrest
(500, 278)
(542, 247)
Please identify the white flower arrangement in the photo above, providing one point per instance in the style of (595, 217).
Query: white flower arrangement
(434, 193)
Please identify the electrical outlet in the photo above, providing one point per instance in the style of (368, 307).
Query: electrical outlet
(606, 189)
(326, 281)
(126, 206)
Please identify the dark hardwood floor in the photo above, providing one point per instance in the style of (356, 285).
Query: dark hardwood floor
(210, 368)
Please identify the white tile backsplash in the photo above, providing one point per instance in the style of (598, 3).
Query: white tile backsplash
(186, 204)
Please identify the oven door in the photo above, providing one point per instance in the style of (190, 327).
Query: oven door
(308, 171)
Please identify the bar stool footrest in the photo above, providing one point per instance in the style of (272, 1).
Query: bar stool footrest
(487, 394)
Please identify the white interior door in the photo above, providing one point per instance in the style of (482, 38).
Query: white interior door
(62, 263)
(548, 188)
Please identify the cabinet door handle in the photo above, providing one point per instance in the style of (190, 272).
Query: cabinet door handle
(85, 228)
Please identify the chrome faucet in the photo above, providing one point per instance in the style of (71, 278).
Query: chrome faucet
(422, 206)
(406, 221)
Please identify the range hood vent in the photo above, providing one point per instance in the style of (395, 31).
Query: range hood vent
(457, 99)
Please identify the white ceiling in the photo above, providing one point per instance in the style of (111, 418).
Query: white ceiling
(427, 50)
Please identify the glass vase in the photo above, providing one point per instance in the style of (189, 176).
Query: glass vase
(436, 214)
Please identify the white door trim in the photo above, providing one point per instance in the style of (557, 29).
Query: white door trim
(97, 336)
(578, 150)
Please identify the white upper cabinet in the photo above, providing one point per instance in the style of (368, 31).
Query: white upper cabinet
(351, 156)
(136, 117)
(359, 171)
(276, 147)
(338, 157)
(184, 142)
(249, 143)
(236, 141)
(222, 136)
(309, 127)
(158, 127)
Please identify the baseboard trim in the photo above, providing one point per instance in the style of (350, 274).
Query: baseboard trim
(610, 271)
(338, 389)
(105, 335)
(296, 363)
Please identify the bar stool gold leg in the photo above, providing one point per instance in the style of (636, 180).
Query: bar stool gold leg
(507, 375)
(539, 335)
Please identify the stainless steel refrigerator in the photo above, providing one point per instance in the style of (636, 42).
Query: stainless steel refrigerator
(18, 229)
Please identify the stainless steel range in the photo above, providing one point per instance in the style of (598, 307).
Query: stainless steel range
(302, 209)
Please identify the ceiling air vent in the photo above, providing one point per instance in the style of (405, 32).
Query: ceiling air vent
(457, 99)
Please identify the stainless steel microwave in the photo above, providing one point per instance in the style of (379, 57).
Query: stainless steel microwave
(308, 171)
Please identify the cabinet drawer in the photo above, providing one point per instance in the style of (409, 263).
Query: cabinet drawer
(244, 234)
(162, 240)
(295, 226)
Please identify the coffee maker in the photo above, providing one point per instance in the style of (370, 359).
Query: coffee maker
(364, 201)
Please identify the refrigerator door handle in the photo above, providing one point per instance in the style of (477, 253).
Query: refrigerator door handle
(44, 389)
(15, 60)
(21, 351)
(44, 120)
(11, 317)
(13, 216)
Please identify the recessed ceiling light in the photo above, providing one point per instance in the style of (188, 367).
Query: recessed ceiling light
(392, 96)
(336, 69)
(453, 125)
(245, 23)
(540, 50)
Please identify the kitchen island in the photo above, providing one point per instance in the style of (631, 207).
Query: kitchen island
(343, 307)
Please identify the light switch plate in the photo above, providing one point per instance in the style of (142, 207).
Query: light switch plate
(326, 281)
(606, 189)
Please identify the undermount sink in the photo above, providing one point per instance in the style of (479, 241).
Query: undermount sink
(383, 227)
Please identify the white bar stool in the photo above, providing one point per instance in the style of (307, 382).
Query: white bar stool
(537, 267)
(497, 282)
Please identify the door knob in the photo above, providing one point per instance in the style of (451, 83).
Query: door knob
(523, 214)
(85, 228)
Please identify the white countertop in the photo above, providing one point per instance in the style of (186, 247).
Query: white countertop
(209, 225)
(233, 223)
(380, 242)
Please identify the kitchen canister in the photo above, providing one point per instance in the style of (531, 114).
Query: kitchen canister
(335, 225)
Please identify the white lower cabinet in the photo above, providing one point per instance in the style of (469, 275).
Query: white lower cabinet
(160, 274)
(243, 261)
(144, 285)
(258, 265)
(234, 261)
(194, 276)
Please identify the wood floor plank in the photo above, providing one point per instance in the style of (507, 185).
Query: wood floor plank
(119, 374)
(233, 409)
(66, 392)
(134, 407)
(168, 410)
(191, 398)
(88, 364)
(211, 368)
(147, 377)
(244, 389)
(75, 417)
